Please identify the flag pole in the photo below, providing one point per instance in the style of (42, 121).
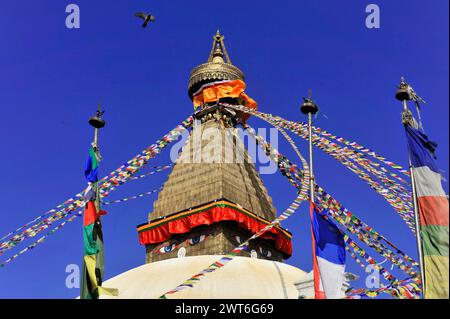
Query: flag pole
(93, 274)
(309, 108)
(97, 123)
(403, 95)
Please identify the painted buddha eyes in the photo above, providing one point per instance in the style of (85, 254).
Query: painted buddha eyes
(171, 247)
(196, 240)
(265, 252)
(166, 249)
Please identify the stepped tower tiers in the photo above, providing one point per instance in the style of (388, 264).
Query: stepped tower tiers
(214, 199)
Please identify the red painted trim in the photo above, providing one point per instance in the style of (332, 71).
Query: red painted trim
(214, 215)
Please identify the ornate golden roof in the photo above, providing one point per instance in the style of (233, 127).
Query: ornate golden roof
(216, 69)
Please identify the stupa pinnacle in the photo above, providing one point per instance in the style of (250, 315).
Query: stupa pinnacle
(217, 68)
(213, 199)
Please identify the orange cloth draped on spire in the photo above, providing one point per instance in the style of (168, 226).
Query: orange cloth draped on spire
(224, 89)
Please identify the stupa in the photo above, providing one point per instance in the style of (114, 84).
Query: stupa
(212, 201)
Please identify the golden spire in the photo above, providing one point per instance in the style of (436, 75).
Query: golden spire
(217, 68)
(218, 50)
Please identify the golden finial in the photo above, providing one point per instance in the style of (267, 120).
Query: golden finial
(217, 68)
(218, 50)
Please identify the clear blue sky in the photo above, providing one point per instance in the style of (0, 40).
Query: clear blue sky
(52, 78)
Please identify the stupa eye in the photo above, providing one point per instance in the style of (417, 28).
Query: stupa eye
(265, 252)
(196, 240)
(166, 249)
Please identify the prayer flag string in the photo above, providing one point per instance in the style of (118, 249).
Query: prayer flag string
(71, 218)
(107, 184)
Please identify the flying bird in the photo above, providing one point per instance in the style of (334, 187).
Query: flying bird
(146, 17)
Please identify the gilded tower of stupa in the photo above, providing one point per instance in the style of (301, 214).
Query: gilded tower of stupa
(214, 198)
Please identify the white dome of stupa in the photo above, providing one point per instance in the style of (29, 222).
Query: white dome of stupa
(241, 278)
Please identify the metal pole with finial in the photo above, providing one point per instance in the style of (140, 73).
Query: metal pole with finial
(403, 94)
(310, 108)
(97, 122)
(92, 230)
